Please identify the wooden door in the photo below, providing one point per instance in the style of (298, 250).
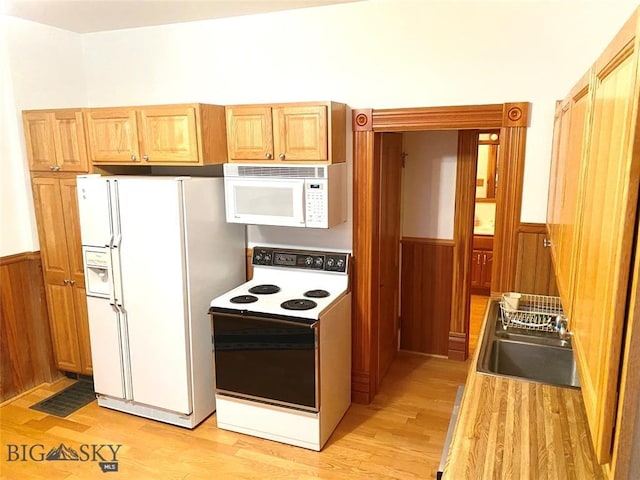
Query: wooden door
(168, 134)
(70, 143)
(249, 133)
(113, 135)
(40, 140)
(51, 229)
(388, 147)
(606, 239)
(62, 319)
(300, 133)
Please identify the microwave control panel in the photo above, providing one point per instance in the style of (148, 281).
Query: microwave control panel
(316, 203)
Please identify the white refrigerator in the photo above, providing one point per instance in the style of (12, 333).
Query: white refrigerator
(156, 251)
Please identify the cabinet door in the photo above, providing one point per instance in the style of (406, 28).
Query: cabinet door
(82, 326)
(487, 265)
(71, 148)
(565, 187)
(168, 135)
(113, 136)
(51, 229)
(40, 140)
(605, 242)
(69, 198)
(249, 133)
(476, 268)
(60, 299)
(300, 133)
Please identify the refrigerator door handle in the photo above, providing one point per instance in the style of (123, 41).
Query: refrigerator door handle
(110, 209)
(123, 332)
(116, 216)
(115, 249)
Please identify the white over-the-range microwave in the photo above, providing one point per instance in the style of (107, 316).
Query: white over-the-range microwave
(286, 195)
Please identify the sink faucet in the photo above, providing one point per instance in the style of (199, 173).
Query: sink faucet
(562, 326)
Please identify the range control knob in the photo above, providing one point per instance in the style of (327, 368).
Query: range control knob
(330, 262)
(308, 261)
(341, 263)
(318, 262)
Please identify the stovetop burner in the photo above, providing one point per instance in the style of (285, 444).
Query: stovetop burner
(299, 304)
(316, 294)
(244, 299)
(264, 289)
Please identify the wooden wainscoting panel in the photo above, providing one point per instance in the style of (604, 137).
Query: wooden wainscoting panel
(534, 268)
(25, 343)
(426, 287)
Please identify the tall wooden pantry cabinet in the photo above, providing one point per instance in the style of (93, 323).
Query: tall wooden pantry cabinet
(56, 150)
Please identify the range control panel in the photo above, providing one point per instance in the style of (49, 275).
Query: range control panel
(309, 260)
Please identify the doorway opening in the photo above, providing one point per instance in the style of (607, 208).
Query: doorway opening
(487, 184)
(511, 119)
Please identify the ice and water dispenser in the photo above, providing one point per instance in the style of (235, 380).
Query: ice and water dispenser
(96, 265)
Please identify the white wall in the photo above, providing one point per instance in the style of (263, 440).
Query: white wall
(40, 67)
(375, 53)
(429, 184)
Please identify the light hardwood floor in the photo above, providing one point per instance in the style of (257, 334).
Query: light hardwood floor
(478, 306)
(400, 435)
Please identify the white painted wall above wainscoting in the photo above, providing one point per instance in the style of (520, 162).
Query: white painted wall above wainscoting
(375, 53)
(429, 184)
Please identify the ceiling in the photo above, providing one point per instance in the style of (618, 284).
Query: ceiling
(84, 16)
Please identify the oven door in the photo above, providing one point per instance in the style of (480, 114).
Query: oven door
(273, 360)
(265, 201)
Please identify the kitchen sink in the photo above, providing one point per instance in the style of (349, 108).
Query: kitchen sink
(536, 356)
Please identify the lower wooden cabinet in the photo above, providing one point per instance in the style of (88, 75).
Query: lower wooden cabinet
(56, 209)
(481, 271)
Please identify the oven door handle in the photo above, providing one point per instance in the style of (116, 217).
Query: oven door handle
(272, 320)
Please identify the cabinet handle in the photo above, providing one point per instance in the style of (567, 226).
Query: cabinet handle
(145, 158)
(134, 158)
(484, 259)
(546, 243)
(478, 259)
(281, 156)
(54, 168)
(66, 282)
(72, 282)
(268, 156)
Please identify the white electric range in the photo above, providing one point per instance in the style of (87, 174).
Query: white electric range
(282, 347)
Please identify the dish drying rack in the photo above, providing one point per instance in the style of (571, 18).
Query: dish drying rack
(532, 312)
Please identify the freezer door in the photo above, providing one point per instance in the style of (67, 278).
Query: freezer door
(153, 295)
(94, 208)
(106, 347)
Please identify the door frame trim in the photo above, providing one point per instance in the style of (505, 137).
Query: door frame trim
(512, 119)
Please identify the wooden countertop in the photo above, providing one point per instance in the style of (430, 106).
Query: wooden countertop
(510, 428)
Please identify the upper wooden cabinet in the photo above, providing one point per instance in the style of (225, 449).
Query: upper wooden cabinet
(55, 140)
(297, 132)
(192, 134)
(592, 215)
